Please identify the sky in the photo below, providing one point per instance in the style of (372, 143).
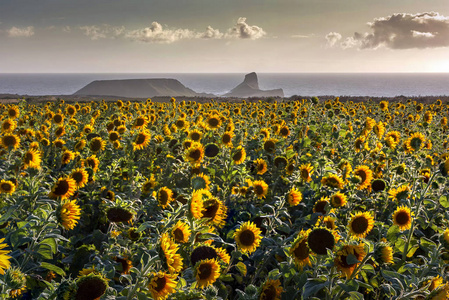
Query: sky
(232, 36)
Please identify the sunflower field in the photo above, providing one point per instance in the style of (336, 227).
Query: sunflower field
(303, 199)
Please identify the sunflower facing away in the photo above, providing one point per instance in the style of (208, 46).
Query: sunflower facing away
(300, 251)
(248, 237)
(402, 217)
(161, 285)
(206, 272)
(68, 214)
(320, 239)
(197, 202)
(91, 286)
(63, 188)
(346, 258)
(361, 224)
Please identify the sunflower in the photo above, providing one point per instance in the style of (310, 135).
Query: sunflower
(32, 159)
(181, 232)
(379, 129)
(211, 150)
(358, 144)
(140, 122)
(200, 181)
(321, 206)
(149, 184)
(226, 138)
(355, 252)
(239, 155)
(378, 185)
(401, 193)
(67, 156)
(13, 112)
(215, 211)
(60, 131)
(402, 217)
(173, 259)
(284, 131)
(195, 135)
(91, 286)
(164, 196)
(10, 141)
(58, 118)
(59, 143)
(80, 176)
(213, 121)
(260, 166)
(320, 239)
(195, 153)
(270, 145)
(415, 142)
(338, 200)
(248, 237)
(305, 171)
(300, 251)
(384, 253)
(203, 252)
(4, 257)
(271, 290)
(142, 140)
(15, 280)
(161, 285)
(92, 162)
(435, 282)
(440, 293)
(333, 180)
(366, 176)
(223, 255)
(361, 224)
(206, 272)
(79, 146)
(63, 188)
(260, 188)
(197, 202)
(294, 197)
(68, 214)
(8, 125)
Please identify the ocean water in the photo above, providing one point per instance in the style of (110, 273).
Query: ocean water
(304, 84)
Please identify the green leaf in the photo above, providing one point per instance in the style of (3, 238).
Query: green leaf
(53, 268)
(444, 201)
(393, 233)
(412, 250)
(45, 251)
(351, 259)
(312, 287)
(52, 243)
(356, 295)
(241, 267)
(226, 277)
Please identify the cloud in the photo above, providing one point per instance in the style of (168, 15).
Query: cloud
(97, 32)
(403, 31)
(67, 29)
(21, 32)
(242, 30)
(300, 36)
(156, 33)
(332, 38)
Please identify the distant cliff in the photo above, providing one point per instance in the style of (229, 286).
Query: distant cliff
(138, 88)
(250, 88)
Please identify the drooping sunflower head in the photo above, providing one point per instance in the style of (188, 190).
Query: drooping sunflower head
(271, 290)
(384, 253)
(401, 193)
(200, 181)
(172, 258)
(361, 224)
(91, 286)
(119, 214)
(206, 272)
(248, 237)
(63, 188)
(211, 150)
(161, 285)
(270, 145)
(402, 217)
(378, 185)
(320, 239)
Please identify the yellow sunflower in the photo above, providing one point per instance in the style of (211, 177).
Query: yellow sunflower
(226, 138)
(7, 187)
(347, 255)
(260, 188)
(10, 141)
(320, 239)
(68, 214)
(32, 159)
(140, 122)
(294, 197)
(321, 206)
(97, 144)
(4, 257)
(305, 171)
(206, 272)
(415, 142)
(67, 156)
(63, 188)
(195, 135)
(239, 155)
(142, 140)
(366, 176)
(300, 251)
(401, 193)
(13, 112)
(213, 122)
(338, 199)
(80, 176)
(195, 153)
(161, 285)
(181, 232)
(164, 196)
(92, 162)
(248, 237)
(170, 249)
(333, 180)
(215, 211)
(402, 217)
(260, 166)
(271, 290)
(8, 125)
(361, 224)
(197, 202)
(384, 253)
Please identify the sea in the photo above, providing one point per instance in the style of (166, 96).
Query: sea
(302, 84)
